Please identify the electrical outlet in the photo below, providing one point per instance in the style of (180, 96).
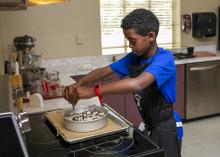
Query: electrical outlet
(79, 39)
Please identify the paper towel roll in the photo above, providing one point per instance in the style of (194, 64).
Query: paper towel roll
(36, 100)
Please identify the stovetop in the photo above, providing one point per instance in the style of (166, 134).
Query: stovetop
(43, 141)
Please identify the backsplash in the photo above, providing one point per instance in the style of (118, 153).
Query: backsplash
(77, 65)
(83, 65)
(210, 48)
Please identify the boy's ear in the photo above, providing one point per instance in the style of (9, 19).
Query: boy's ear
(151, 36)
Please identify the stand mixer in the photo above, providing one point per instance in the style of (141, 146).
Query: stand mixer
(29, 62)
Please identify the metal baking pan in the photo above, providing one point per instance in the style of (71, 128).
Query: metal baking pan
(85, 126)
(79, 137)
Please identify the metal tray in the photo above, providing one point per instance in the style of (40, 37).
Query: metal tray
(74, 137)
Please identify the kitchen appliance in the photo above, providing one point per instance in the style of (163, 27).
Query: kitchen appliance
(29, 63)
(23, 42)
(202, 89)
(204, 24)
(11, 143)
(26, 55)
(9, 102)
(43, 141)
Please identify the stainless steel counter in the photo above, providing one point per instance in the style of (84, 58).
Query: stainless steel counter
(197, 59)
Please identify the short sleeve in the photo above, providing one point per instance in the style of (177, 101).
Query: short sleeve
(120, 67)
(162, 68)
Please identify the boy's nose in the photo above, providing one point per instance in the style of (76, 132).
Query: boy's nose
(131, 46)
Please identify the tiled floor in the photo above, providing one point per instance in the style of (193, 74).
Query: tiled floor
(202, 138)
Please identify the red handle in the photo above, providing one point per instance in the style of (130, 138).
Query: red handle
(97, 89)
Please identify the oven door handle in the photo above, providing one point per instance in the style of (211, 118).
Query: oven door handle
(204, 68)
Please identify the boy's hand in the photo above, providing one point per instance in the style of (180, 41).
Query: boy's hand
(85, 93)
(70, 93)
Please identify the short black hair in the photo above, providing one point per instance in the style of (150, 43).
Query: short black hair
(142, 20)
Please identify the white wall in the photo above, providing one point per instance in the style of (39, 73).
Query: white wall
(55, 27)
(190, 6)
(1, 50)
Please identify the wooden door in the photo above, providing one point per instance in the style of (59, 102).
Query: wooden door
(179, 105)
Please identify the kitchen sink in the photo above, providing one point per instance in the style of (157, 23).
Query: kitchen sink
(178, 56)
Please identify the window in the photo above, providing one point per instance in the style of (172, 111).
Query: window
(112, 11)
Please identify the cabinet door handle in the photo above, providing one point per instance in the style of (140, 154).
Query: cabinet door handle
(204, 68)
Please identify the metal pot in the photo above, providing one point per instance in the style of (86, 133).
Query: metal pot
(33, 73)
(85, 126)
(30, 74)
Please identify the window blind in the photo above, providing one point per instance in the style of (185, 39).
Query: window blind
(112, 11)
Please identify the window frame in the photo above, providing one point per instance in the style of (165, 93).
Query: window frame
(175, 36)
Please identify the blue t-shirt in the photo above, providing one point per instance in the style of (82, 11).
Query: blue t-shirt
(162, 67)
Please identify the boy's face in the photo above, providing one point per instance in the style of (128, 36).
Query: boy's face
(139, 44)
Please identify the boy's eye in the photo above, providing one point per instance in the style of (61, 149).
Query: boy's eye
(132, 42)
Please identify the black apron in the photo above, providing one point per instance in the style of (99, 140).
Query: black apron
(157, 115)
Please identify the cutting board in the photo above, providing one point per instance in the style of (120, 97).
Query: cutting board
(57, 120)
(203, 54)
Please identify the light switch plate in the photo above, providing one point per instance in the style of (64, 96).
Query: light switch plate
(79, 39)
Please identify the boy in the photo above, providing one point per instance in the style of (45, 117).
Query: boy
(149, 72)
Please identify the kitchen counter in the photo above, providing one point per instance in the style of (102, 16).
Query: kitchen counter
(199, 59)
(83, 65)
(58, 103)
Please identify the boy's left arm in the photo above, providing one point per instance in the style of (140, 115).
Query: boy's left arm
(128, 85)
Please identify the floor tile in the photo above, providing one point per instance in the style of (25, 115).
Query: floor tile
(202, 138)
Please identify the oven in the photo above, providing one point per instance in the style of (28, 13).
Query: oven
(11, 138)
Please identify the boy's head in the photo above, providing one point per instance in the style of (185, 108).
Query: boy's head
(141, 27)
(143, 21)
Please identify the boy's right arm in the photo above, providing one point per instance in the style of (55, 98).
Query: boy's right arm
(95, 75)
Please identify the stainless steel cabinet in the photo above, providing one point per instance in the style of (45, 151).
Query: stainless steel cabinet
(202, 89)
